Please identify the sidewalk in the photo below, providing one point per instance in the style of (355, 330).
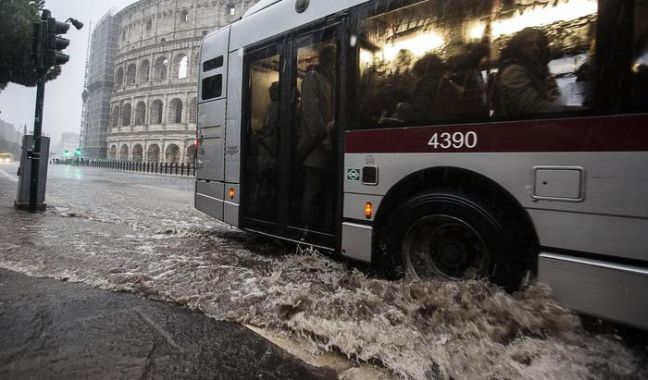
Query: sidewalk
(55, 330)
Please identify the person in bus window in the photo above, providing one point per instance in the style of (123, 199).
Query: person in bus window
(315, 145)
(524, 86)
(468, 82)
(433, 97)
(267, 140)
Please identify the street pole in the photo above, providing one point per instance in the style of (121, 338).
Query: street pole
(36, 147)
(38, 116)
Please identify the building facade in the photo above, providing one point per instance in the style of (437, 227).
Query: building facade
(154, 72)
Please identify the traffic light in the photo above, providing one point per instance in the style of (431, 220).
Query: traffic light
(38, 35)
(54, 44)
(77, 152)
(48, 45)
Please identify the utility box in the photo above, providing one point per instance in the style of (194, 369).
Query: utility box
(24, 174)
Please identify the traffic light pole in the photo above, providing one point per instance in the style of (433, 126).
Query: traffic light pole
(35, 155)
(47, 50)
(36, 149)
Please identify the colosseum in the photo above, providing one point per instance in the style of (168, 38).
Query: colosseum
(141, 81)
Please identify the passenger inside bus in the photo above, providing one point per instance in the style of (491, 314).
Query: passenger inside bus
(524, 86)
(468, 82)
(316, 135)
(433, 96)
(267, 146)
(486, 60)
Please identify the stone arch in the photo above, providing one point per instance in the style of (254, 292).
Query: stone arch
(184, 15)
(144, 71)
(115, 116)
(123, 153)
(191, 154)
(160, 69)
(193, 110)
(153, 153)
(181, 66)
(175, 111)
(112, 155)
(140, 113)
(230, 9)
(131, 73)
(126, 115)
(138, 153)
(119, 77)
(156, 112)
(172, 154)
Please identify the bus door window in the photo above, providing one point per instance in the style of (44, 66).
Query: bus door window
(315, 185)
(262, 145)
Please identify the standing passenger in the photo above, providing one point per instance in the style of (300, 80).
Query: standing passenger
(315, 146)
(267, 149)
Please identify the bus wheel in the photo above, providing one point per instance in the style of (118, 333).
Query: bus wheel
(452, 236)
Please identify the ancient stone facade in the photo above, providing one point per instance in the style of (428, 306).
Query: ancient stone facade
(155, 71)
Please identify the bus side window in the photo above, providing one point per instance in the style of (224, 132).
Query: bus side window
(639, 95)
(428, 63)
(212, 87)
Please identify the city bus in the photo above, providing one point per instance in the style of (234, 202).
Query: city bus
(498, 139)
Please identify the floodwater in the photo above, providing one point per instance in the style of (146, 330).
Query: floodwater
(140, 233)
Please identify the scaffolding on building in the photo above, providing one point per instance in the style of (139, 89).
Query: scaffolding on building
(98, 87)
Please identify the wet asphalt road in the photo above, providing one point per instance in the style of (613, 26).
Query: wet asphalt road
(55, 330)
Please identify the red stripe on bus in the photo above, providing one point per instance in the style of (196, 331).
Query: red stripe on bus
(591, 134)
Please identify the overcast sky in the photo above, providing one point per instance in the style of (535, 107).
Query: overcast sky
(63, 96)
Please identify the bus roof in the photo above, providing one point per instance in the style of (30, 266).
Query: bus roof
(261, 5)
(269, 18)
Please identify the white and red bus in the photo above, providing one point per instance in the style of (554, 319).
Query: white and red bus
(500, 139)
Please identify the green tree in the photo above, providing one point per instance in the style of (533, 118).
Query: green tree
(16, 19)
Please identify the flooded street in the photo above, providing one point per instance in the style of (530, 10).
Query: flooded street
(140, 233)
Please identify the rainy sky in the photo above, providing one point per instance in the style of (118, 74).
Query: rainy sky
(63, 96)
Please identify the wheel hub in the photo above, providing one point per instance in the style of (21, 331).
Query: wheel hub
(445, 246)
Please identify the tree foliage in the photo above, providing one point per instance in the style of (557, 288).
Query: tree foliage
(16, 20)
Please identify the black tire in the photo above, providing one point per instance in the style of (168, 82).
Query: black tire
(450, 235)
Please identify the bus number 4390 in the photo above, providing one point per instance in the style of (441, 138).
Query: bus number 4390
(457, 140)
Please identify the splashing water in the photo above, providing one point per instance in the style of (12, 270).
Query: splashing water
(417, 330)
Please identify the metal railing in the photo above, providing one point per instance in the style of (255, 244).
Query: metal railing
(179, 169)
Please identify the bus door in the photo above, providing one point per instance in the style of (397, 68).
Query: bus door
(289, 181)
